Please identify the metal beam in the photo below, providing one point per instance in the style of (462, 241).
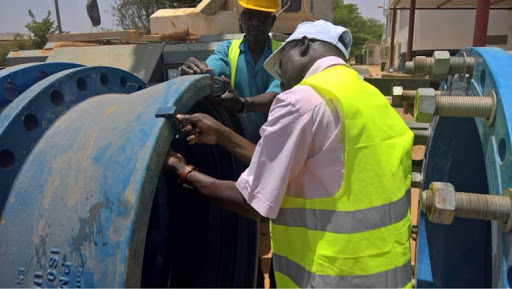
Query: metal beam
(481, 23)
(392, 43)
(497, 1)
(452, 8)
(58, 16)
(410, 38)
(444, 3)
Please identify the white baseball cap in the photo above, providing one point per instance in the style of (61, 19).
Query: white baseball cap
(319, 30)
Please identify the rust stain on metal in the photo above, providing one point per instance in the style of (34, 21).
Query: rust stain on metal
(74, 44)
(91, 142)
(2, 222)
(91, 229)
(109, 110)
(176, 36)
(12, 200)
(129, 196)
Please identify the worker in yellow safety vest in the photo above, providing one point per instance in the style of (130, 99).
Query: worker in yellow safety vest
(240, 61)
(332, 169)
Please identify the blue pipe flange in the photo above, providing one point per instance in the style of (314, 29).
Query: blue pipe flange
(473, 154)
(28, 117)
(89, 205)
(15, 80)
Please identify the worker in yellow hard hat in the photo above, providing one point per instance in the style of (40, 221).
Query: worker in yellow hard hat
(240, 61)
(262, 5)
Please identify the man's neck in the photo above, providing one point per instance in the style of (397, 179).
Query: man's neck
(256, 45)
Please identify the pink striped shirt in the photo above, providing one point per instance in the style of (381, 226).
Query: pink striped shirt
(300, 153)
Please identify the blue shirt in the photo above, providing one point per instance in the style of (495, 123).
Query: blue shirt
(251, 79)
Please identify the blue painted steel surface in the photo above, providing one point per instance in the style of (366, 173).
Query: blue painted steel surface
(25, 121)
(15, 80)
(474, 158)
(78, 211)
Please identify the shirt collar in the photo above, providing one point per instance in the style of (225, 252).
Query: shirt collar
(268, 48)
(324, 63)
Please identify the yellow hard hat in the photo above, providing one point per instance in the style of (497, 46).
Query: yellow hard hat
(262, 5)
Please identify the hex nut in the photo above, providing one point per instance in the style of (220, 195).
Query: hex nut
(425, 105)
(397, 98)
(443, 209)
(441, 65)
(416, 179)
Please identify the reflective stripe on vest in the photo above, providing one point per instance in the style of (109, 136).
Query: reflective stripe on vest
(359, 236)
(394, 278)
(234, 52)
(345, 222)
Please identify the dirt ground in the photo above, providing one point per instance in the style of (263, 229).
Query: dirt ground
(265, 250)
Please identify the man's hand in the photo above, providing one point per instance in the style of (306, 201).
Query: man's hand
(230, 99)
(201, 128)
(174, 162)
(193, 66)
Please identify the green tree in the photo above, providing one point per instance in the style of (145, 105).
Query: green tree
(364, 30)
(40, 29)
(134, 14)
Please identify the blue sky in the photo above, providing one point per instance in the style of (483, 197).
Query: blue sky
(14, 16)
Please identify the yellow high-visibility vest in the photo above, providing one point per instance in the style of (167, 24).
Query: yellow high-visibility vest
(234, 52)
(360, 236)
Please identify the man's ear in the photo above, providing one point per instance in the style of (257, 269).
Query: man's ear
(304, 46)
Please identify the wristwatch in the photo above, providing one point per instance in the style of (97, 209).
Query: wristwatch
(245, 105)
(184, 174)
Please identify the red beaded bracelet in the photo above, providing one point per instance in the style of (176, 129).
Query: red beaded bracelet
(184, 174)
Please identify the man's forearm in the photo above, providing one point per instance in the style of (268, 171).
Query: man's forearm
(262, 102)
(240, 147)
(224, 194)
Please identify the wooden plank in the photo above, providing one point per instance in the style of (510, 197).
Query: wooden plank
(124, 36)
(150, 38)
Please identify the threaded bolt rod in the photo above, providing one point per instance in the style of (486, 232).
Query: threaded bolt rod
(422, 64)
(464, 106)
(421, 136)
(474, 206)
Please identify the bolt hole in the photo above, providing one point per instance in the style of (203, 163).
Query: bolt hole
(502, 149)
(482, 80)
(10, 90)
(6, 159)
(123, 82)
(140, 87)
(41, 74)
(104, 79)
(81, 84)
(30, 122)
(56, 97)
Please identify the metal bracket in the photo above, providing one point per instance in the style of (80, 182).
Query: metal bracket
(167, 112)
(218, 87)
